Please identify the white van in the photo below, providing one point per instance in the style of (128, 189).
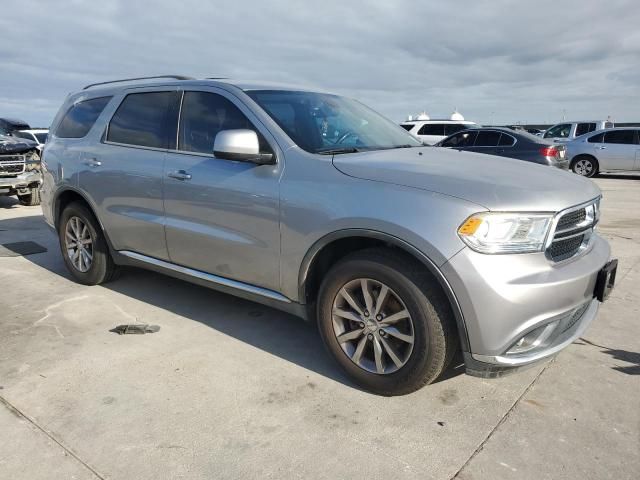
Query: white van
(432, 131)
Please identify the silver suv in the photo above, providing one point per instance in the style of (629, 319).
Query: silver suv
(314, 204)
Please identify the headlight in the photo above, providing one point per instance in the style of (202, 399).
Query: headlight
(490, 232)
(32, 161)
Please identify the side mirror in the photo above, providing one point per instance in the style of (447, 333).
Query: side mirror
(241, 145)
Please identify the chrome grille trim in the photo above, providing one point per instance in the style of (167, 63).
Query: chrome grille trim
(568, 224)
(12, 164)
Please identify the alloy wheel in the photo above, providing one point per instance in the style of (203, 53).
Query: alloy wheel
(79, 244)
(583, 167)
(373, 326)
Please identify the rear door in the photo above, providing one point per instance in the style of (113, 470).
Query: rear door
(123, 174)
(619, 150)
(222, 216)
(486, 142)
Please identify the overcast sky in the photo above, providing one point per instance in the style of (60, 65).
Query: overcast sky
(501, 61)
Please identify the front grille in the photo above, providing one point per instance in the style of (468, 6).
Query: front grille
(572, 231)
(572, 219)
(11, 165)
(570, 320)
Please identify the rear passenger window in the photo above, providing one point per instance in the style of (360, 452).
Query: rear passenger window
(625, 137)
(487, 139)
(79, 119)
(205, 114)
(506, 140)
(583, 128)
(596, 138)
(142, 119)
(432, 129)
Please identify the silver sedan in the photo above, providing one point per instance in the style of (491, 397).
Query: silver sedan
(608, 150)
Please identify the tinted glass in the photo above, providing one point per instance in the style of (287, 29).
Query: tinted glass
(203, 116)
(320, 123)
(42, 137)
(624, 137)
(432, 129)
(79, 119)
(559, 131)
(454, 128)
(583, 128)
(487, 139)
(407, 127)
(506, 140)
(460, 140)
(596, 138)
(26, 135)
(141, 119)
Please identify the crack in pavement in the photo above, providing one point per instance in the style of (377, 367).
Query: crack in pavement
(502, 420)
(18, 413)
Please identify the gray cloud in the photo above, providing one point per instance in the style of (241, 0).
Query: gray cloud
(499, 60)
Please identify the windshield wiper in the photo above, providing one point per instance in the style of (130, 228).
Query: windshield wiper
(337, 151)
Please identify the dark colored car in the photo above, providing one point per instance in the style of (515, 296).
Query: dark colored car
(20, 173)
(10, 125)
(505, 142)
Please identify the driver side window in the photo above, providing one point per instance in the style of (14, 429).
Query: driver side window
(559, 131)
(203, 115)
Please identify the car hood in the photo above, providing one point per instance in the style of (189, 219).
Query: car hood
(13, 145)
(496, 183)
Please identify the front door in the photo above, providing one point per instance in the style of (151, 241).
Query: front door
(618, 152)
(221, 216)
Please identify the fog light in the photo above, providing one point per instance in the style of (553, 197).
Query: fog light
(534, 339)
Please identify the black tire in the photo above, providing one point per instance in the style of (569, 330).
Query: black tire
(102, 268)
(582, 160)
(435, 337)
(30, 199)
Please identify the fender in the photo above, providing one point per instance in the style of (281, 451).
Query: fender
(401, 244)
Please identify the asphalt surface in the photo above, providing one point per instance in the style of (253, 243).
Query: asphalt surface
(230, 389)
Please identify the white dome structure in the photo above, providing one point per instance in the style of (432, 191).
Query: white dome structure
(457, 116)
(422, 116)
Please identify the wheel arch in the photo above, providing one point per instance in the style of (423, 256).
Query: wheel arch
(588, 156)
(333, 246)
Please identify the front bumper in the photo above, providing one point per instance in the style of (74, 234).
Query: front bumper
(505, 297)
(25, 180)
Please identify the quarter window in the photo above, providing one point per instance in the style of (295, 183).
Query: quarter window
(205, 114)
(142, 119)
(79, 119)
(625, 137)
(487, 139)
(583, 128)
(432, 129)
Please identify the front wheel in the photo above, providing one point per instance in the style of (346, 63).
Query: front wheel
(31, 199)
(584, 166)
(386, 322)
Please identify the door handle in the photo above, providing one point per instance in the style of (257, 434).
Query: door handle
(179, 175)
(93, 162)
(602, 147)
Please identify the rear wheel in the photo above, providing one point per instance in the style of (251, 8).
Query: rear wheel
(84, 247)
(584, 166)
(31, 199)
(385, 322)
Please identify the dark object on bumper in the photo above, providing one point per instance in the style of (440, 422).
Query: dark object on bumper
(606, 280)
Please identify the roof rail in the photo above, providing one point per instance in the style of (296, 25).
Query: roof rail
(177, 77)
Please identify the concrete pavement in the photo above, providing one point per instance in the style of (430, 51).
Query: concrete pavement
(231, 389)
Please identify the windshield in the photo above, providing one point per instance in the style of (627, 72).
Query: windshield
(42, 137)
(323, 123)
